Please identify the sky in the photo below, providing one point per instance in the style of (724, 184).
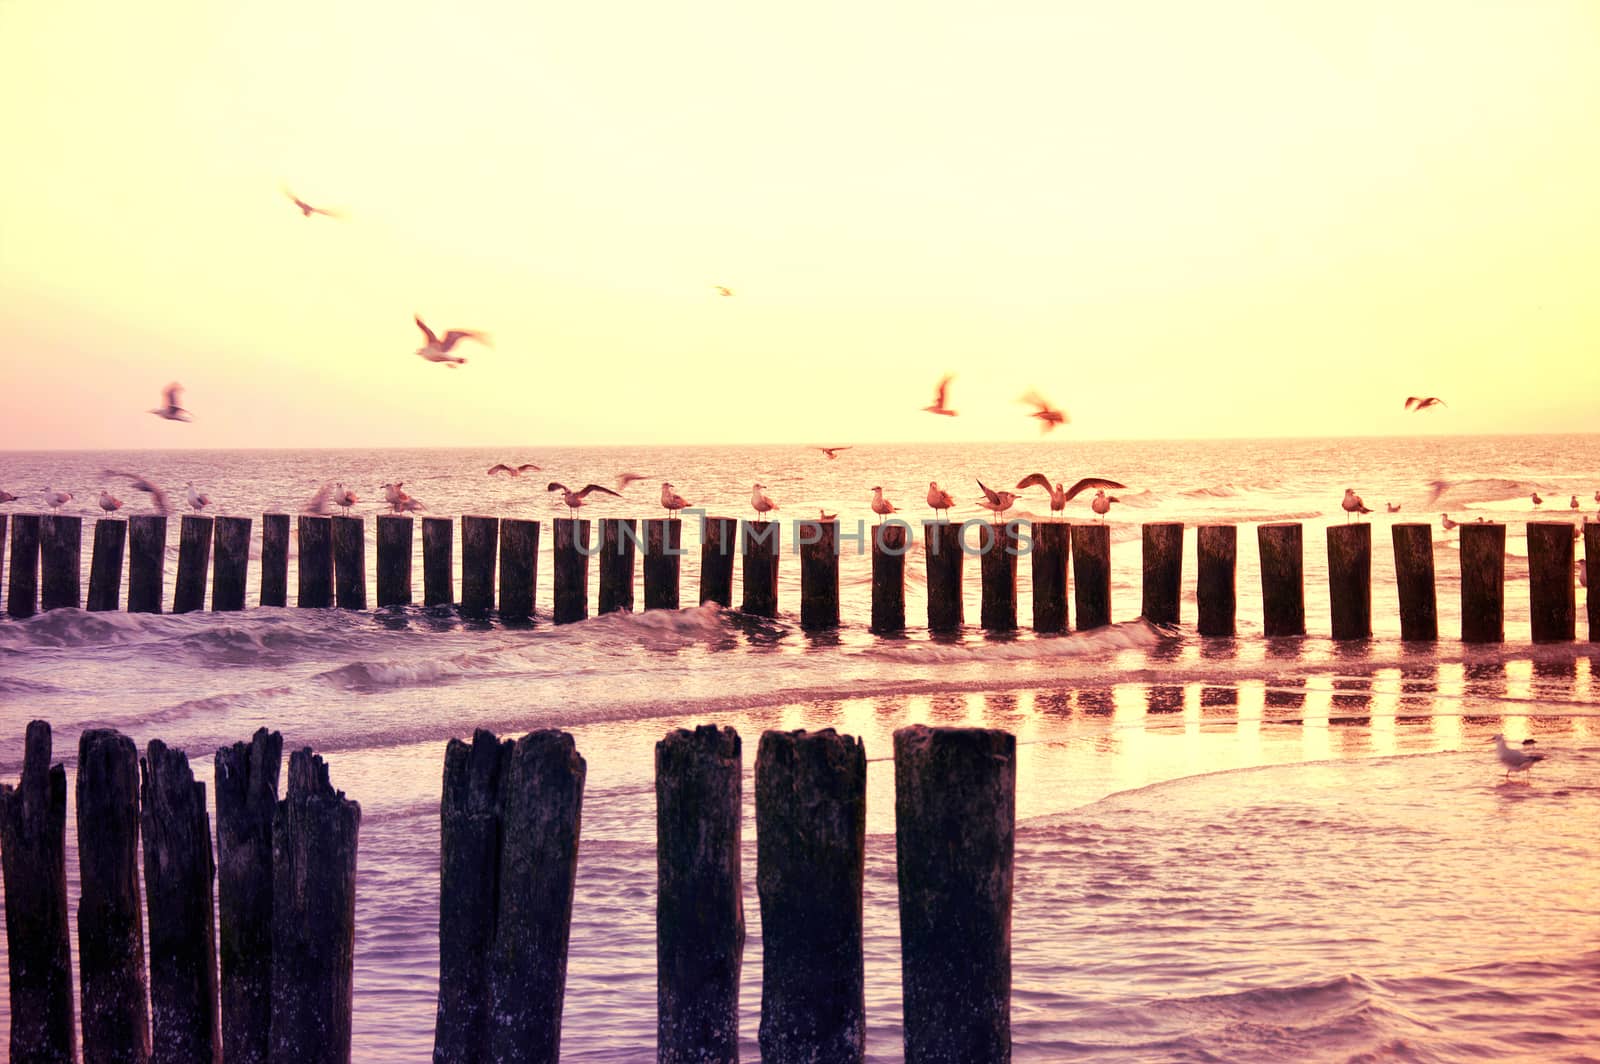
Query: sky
(1237, 218)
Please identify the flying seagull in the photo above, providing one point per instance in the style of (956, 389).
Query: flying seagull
(575, 499)
(1059, 497)
(158, 498)
(307, 209)
(832, 452)
(513, 471)
(1049, 417)
(170, 408)
(624, 479)
(437, 350)
(6, 496)
(939, 396)
(1415, 403)
(723, 290)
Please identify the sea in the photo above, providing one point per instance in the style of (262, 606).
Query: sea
(1227, 849)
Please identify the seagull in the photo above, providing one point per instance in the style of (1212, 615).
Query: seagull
(437, 350)
(1049, 417)
(1536, 500)
(392, 493)
(939, 499)
(760, 501)
(575, 499)
(1415, 403)
(671, 501)
(109, 502)
(1353, 505)
(723, 290)
(881, 506)
(343, 497)
(6, 496)
(1597, 496)
(56, 499)
(158, 498)
(1444, 519)
(307, 209)
(939, 396)
(823, 515)
(1574, 503)
(1059, 497)
(1393, 507)
(832, 452)
(998, 501)
(319, 502)
(171, 410)
(1101, 503)
(406, 504)
(513, 471)
(197, 501)
(624, 479)
(1513, 759)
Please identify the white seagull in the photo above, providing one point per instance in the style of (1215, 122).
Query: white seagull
(344, 498)
(109, 502)
(392, 493)
(760, 501)
(998, 501)
(56, 499)
(1353, 505)
(438, 350)
(197, 501)
(1513, 759)
(306, 209)
(575, 499)
(1101, 503)
(881, 506)
(671, 501)
(1059, 496)
(939, 499)
(170, 408)
(158, 498)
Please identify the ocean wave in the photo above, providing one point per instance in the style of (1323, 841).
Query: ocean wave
(76, 628)
(1124, 635)
(1446, 493)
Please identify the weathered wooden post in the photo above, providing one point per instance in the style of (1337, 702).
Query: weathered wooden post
(314, 834)
(699, 909)
(1483, 583)
(394, 560)
(274, 559)
(955, 818)
(105, 566)
(819, 575)
(519, 566)
(230, 563)
(247, 796)
(438, 572)
(571, 564)
(1350, 580)
(943, 552)
(811, 827)
(720, 536)
(1283, 602)
(1552, 596)
(889, 548)
(147, 562)
(761, 546)
(178, 873)
(33, 857)
(111, 972)
(1091, 574)
(1591, 565)
(1163, 571)
(1052, 540)
(618, 537)
(22, 594)
(998, 572)
(350, 562)
(194, 558)
(60, 559)
(4, 524)
(316, 562)
(478, 540)
(663, 542)
(1413, 576)
(1216, 555)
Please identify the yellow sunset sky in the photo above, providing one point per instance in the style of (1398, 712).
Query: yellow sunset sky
(1174, 219)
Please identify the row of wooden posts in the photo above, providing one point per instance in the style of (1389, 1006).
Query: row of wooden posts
(332, 570)
(510, 819)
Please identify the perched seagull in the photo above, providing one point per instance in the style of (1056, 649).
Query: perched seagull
(1049, 417)
(392, 493)
(1393, 507)
(109, 502)
(171, 410)
(760, 501)
(939, 499)
(939, 396)
(513, 471)
(1574, 503)
(1536, 500)
(399, 502)
(575, 499)
(6, 496)
(1059, 496)
(307, 209)
(723, 290)
(671, 501)
(881, 506)
(1513, 759)
(318, 503)
(1444, 519)
(998, 501)
(832, 452)
(56, 499)
(197, 501)
(1419, 402)
(1101, 503)
(1353, 505)
(624, 479)
(158, 498)
(823, 515)
(437, 350)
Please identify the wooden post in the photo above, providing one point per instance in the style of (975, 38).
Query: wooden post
(1350, 580)
(1163, 571)
(699, 909)
(1283, 602)
(943, 553)
(998, 571)
(147, 562)
(519, 567)
(889, 548)
(663, 540)
(350, 562)
(819, 575)
(1483, 583)
(394, 560)
(1052, 541)
(4, 524)
(314, 834)
(316, 562)
(1413, 575)
(22, 594)
(1216, 554)
(571, 564)
(719, 538)
(478, 538)
(230, 570)
(247, 795)
(1591, 564)
(438, 571)
(105, 566)
(33, 856)
(116, 1023)
(178, 873)
(194, 558)
(618, 537)
(1552, 595)
(761, 547)
(811, 827)
(60, 560)
(1091, 574)
(955, 818)
(274, 559)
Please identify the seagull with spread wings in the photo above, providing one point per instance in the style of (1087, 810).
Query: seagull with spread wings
(998, 501)
(576, 499)
(306, 209)
(513, 471)
(158, 498)
(832, 452)
(940, 395)
(1049, 416)
(438, 350)
(169, 408)
(1059, 496)
(1415, 403)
